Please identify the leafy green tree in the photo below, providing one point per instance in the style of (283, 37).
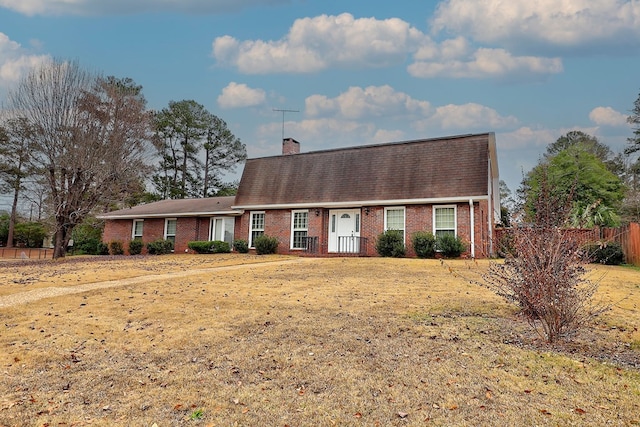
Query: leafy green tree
(16, 143)
(577, 174)
(590, 144)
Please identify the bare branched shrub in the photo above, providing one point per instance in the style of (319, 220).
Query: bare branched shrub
(544, 272)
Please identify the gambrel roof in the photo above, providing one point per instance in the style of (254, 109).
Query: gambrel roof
(457, 167)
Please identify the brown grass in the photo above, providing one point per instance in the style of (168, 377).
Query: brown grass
(365, 341)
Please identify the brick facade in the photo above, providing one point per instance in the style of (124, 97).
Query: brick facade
(187, 229)
(417, 218)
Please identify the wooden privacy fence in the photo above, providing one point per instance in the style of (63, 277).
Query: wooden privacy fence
(628, 236)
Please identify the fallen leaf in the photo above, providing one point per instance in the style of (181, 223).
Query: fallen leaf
(489, 394)
(545, 412)
(436, 406)
(580, 411)
(453, 407)
(357, 415)
(402, 414)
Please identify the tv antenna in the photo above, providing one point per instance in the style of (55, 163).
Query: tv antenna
(283, 112)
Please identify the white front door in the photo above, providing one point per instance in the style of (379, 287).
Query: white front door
(344, 230)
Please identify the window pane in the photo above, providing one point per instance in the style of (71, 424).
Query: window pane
(395, 219)
(228, 230)
(137, 228)
(300, 220)
(445, 221)
(257, 221)
(299, 241)
(171, 227)
(217, 229)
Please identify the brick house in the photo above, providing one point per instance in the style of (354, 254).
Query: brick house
(338, 201)
(180, 220)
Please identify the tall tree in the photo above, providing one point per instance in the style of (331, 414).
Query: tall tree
(223, 151)
(181, 129)
(92, 134)
(634, 120)
(16, 143)
(185, 134)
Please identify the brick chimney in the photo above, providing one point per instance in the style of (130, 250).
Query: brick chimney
(290, 146)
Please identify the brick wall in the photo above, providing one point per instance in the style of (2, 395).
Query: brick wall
(418, 218)
(187, 229)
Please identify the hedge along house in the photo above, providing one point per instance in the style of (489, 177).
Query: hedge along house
(339, 201)
(180, 221)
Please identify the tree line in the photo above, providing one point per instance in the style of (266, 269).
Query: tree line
(74, 143)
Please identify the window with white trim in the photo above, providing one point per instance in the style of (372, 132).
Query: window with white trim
(221, 228)
(136, 231)
(256, 227)
(170, 226)
(444, 220)
(299, 229)
(394, 219)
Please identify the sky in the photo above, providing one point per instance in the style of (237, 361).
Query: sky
(356, 72)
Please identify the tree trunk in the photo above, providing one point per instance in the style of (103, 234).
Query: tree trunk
(62, 236)
(12, 219)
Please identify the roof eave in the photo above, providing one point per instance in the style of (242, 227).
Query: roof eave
(338, 205)
(232, 212)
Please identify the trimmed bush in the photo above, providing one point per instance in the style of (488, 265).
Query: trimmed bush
(609, 253)
(450, 246)
(391, 244)
(135, 247)
(209, 246)
(424, 244)
(241, 246)
(103, 249)
(159, 247)
(266, 245)
(87, 246)
(115, 247)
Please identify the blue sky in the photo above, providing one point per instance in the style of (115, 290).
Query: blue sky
(359, 72)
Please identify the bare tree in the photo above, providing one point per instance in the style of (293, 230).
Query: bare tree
(91, 136)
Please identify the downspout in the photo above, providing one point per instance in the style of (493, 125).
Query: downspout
(473, 231)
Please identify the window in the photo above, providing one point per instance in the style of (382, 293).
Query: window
(299, 229)
(256, 227)
(170, 226)
(394, 219)
(222, 229)
(444, 220)
(136, 232)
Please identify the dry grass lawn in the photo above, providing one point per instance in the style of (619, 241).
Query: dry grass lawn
(280, 341)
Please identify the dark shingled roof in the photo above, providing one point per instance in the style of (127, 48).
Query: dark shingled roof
(423, 169)
(176, 208)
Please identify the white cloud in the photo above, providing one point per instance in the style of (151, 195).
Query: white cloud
(466, 117)
(607, 116)
(483, 63)
(113, 7)
(14, 61)
(315, 44)
(237, 95)
(559, 23)
(369, 102)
